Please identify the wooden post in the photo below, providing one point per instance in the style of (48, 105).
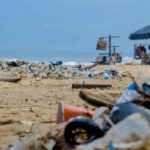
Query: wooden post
(109, 45)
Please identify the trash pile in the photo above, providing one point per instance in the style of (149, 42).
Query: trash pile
(124, 125)
(33, 70)
(56, 70)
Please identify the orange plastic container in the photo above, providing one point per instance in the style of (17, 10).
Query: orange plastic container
(66, 112)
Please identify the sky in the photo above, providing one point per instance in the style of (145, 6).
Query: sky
(68, 29)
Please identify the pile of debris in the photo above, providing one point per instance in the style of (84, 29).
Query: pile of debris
(122, 125)
(56, 70)
(33, 70)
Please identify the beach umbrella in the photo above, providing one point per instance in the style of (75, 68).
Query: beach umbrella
(141, 34)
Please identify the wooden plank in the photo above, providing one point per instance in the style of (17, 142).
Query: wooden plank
(90, 86)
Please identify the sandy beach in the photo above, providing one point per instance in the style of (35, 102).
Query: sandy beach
(32, 100)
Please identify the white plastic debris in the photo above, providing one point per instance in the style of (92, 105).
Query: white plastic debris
(133, 132)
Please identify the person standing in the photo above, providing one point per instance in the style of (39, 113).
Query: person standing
(145, 57)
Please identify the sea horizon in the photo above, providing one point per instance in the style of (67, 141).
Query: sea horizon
(54, 55)
(65, 61)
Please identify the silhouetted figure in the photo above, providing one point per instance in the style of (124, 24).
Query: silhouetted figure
(145, 57)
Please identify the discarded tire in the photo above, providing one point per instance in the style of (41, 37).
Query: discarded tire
(80, 131)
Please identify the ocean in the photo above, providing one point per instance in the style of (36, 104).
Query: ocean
(53, 55)
(49, 55)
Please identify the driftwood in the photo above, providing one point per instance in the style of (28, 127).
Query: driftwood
(94, 99)
(12, 79)
(90, 86)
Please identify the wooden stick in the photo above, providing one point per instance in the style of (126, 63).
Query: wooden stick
(90, 86)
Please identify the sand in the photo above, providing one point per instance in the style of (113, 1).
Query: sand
(32, 100)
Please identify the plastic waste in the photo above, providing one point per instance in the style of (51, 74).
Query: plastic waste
(131, 94)
(126, 109)
(131, 133)
(65, 112)
(106, 76)
(146, 88)
(90, 75)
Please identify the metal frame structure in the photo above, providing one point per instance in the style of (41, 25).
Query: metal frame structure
(110, 53)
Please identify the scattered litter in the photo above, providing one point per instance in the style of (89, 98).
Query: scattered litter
(121, 125)
(106, 76)
(56, 70)
(65, 112)
(29, 123)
